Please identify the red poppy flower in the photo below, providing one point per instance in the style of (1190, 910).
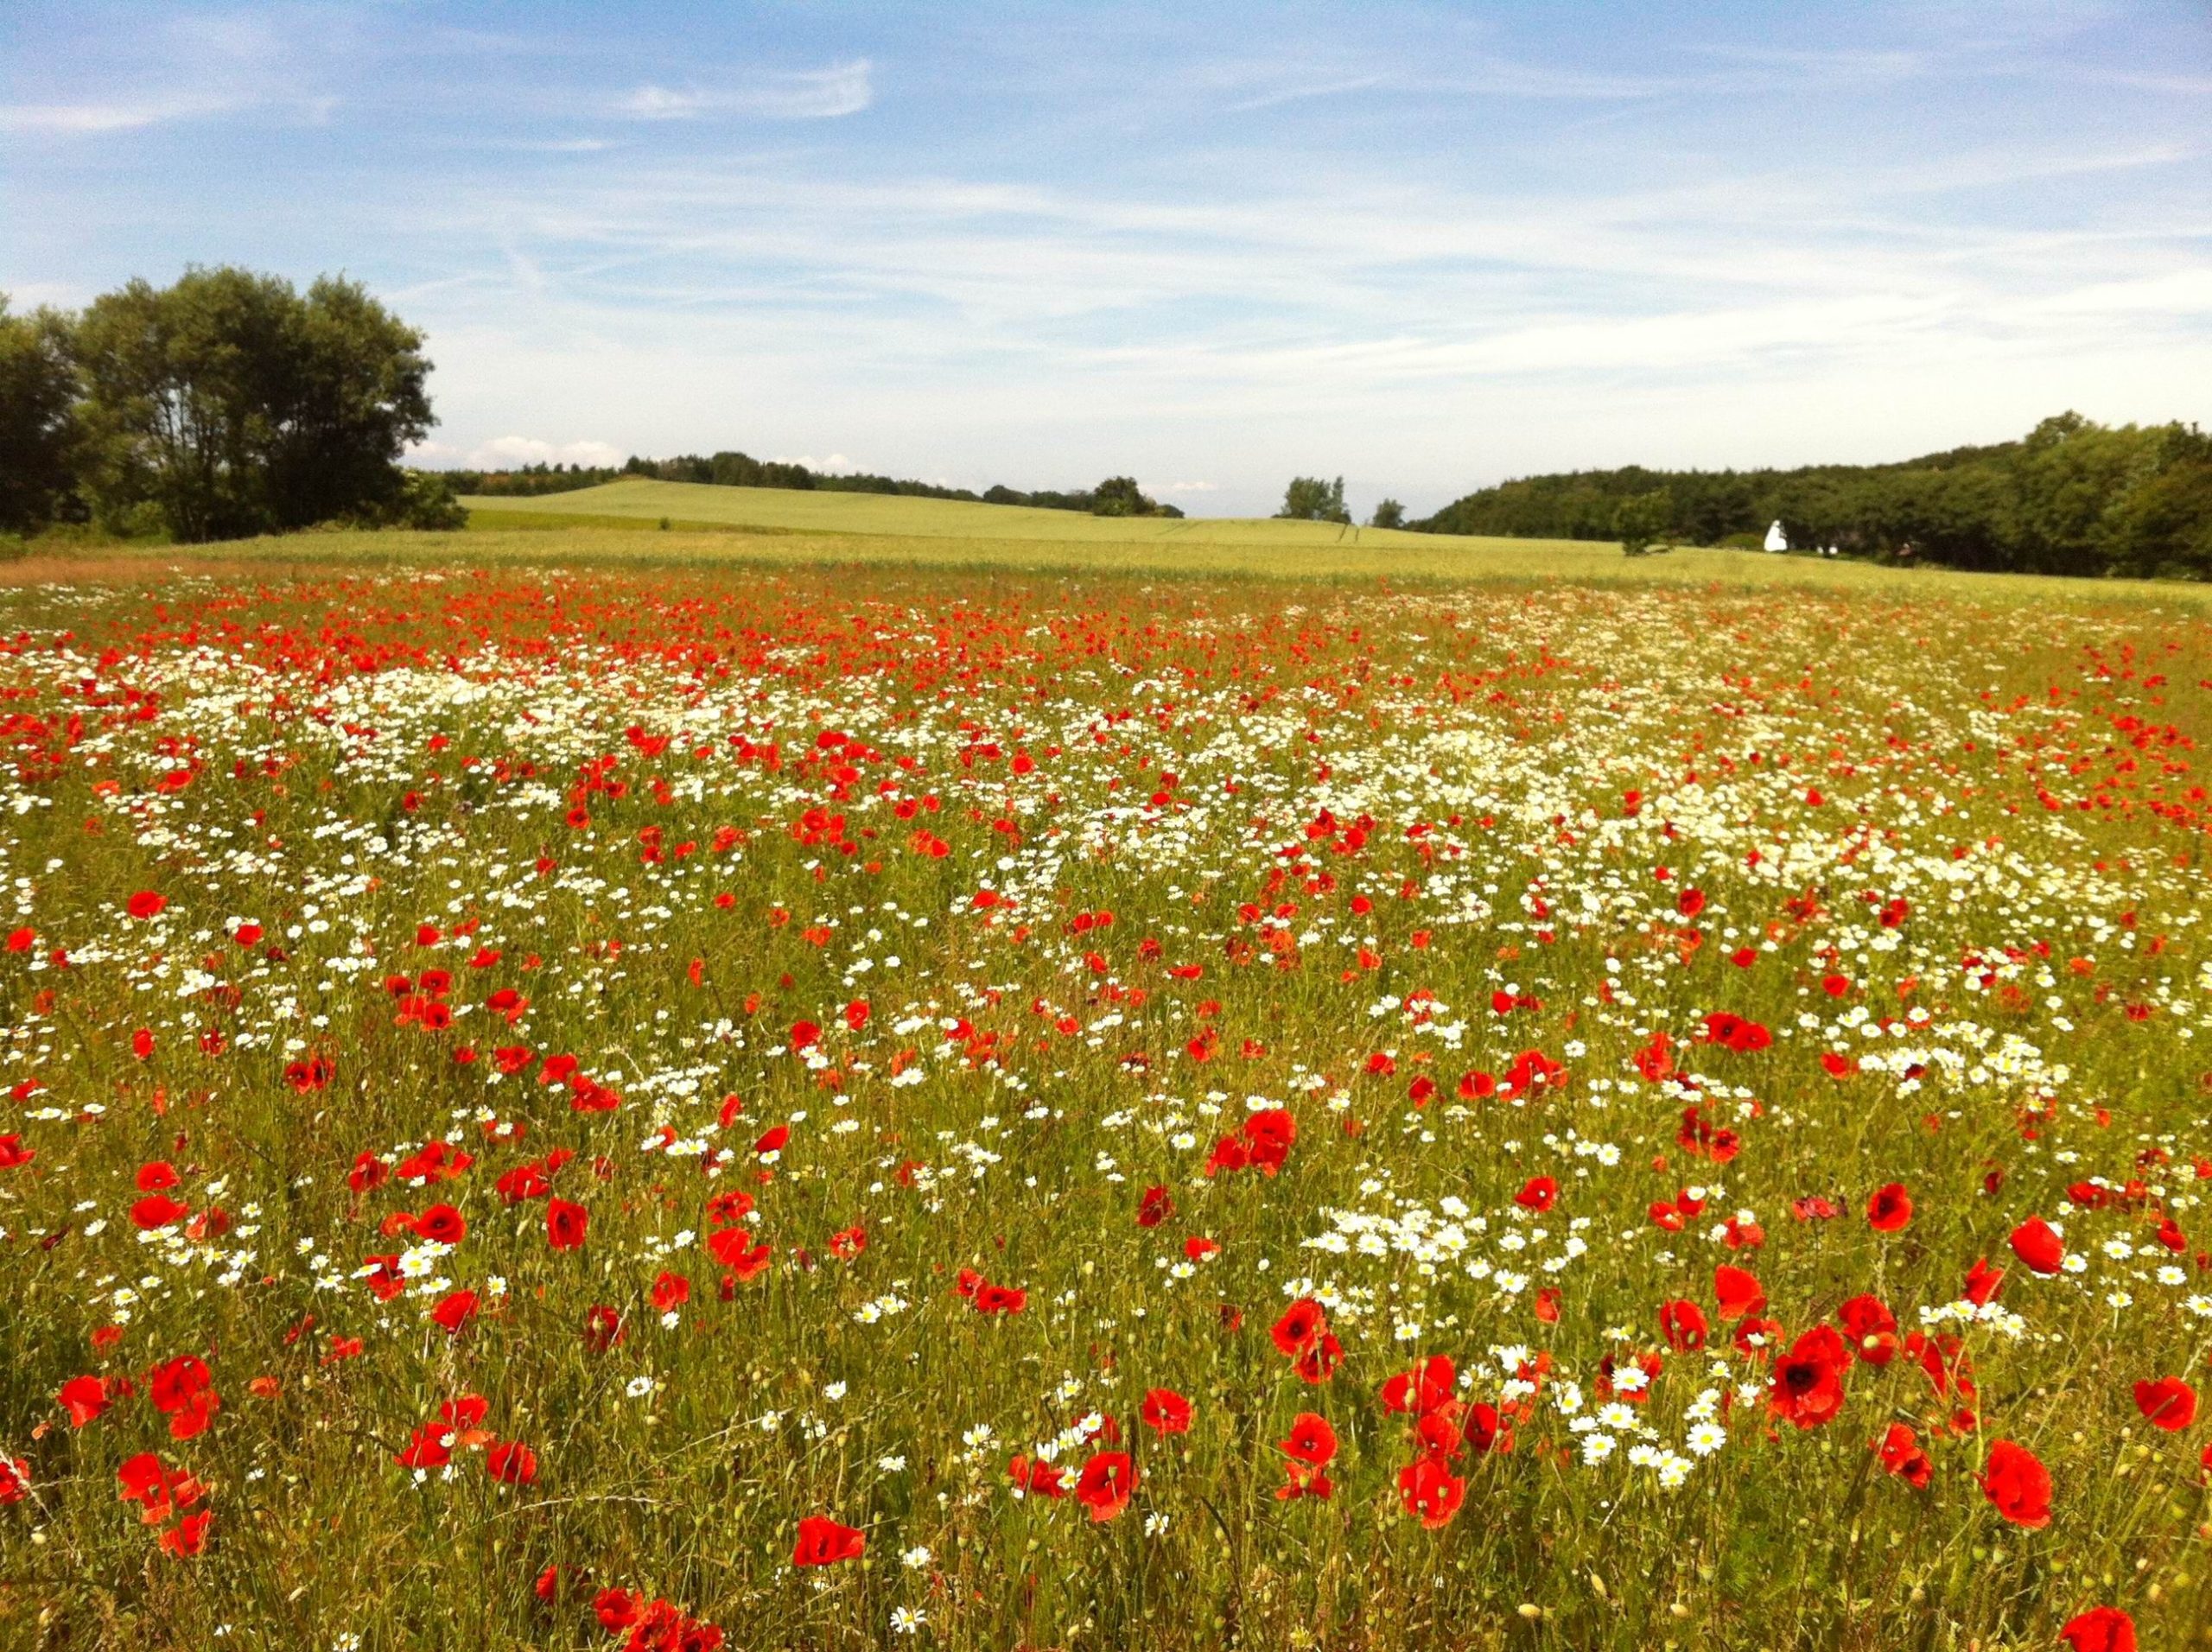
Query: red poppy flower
(1982, 1283)
(1889, 1208)
(603, 1327)
(1311, 1441)
(617, 1608)
(1681, 1323)
(2035, 1242)
(1734, 1032)
(188, 1537)
(147, 903)
(2169, 1403)
(511, 1462)
(183, 1391)
(2101, 1628)
(1539, 1194)
(158, 1489)
(1808, 1380)
(1870, 1328)
(443, 1224)
(1166, 1412)
(1269, 1134)
(565, 1224)
(1738, 1291)
(822, 1542)
(2017, 1485)
(1155, 1207)
(1902, 1455)
(1438, 1433)
(1428, 1387)
(1318, 1363)
(84, 1398)
(1229, 1154)
(158, 1210)
(1430, 1489)
(431, 1448)
(1107, 1483)
(1303, 1323)
(1034, 1475)
(671, 1291)
(455, 1310)
(743, 1264)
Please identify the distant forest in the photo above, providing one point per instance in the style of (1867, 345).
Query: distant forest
(2072, 497)
(1116, 496)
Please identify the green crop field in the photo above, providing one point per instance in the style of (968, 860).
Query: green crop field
(559, 531)
(919, 518)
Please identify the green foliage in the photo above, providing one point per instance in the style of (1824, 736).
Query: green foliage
(1118, 495)
(426, 502)
(1641, 519)
(529, 481)
(39, 436)
(2073, 497)
(1388, 514)
(1308, 499)
(235, 405)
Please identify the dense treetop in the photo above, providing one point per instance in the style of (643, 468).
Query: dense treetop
(2072, 497)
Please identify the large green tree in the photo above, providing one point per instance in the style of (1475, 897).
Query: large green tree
(232, 403)
(1308, 499)
(38, 423)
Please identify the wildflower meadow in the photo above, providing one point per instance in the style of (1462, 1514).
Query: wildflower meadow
(827, 1108)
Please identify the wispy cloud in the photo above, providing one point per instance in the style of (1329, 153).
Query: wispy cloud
(806, 94)
(1419, 244)
(77, 119)
(506, 452)
(183, 67)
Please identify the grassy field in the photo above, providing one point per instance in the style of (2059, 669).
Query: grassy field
(507, 533)
(813, 512)
(586, 1088)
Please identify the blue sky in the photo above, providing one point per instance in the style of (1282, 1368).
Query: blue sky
(1425, 247)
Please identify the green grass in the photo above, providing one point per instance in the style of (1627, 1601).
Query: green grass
(511, 533)
(921, 518)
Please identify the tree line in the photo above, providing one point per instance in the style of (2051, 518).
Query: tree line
(1309, 499)
(1117, 496)
(227, 404)
(2072, 497)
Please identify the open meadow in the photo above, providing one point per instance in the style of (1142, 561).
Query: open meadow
(823, 1078)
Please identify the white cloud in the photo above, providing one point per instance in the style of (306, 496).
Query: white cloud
(658, 103)
(185, 67)
(805, 94)
(504, 453)
(83, 118)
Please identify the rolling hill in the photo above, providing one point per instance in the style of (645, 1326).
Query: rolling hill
(695, 504)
